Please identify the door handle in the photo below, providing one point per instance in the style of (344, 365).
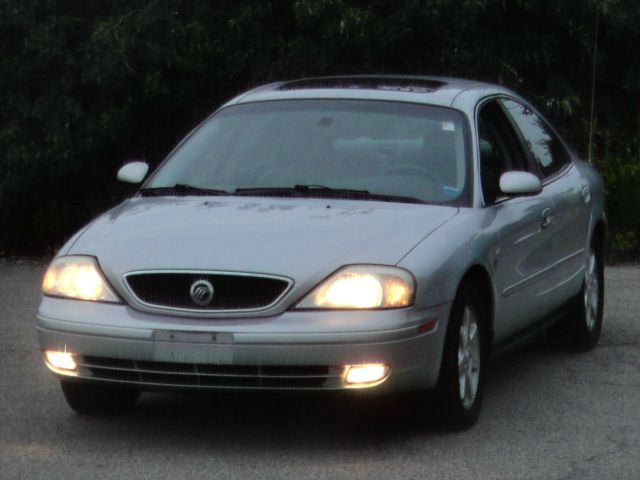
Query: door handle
(586, 195)
(547, 217)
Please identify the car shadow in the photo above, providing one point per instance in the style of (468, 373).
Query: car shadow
(256, 421)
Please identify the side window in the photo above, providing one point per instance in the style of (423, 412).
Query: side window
(545, 147)
(500, 150)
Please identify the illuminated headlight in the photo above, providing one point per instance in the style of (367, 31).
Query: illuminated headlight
(77, 276)
(363, 287)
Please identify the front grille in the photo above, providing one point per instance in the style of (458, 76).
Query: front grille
(206, 291)
(188, 375)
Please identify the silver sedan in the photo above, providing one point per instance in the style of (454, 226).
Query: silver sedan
(378, 234)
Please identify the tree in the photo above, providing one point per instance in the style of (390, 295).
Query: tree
(88, 85)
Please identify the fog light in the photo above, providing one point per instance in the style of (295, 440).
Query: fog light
(60, 362)
(365, 375)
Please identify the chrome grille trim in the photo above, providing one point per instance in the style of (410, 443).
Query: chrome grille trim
(200, 311)
(199, 376)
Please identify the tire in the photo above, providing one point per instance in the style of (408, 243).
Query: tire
(88, 398)
(461, 383)
(580, 329)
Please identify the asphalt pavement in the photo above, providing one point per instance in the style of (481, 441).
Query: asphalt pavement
(548, 414)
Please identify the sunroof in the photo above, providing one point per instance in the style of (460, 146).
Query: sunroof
(412, 85)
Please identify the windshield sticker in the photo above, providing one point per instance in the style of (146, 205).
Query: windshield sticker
(448, 126)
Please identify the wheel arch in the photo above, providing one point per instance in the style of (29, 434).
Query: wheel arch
(598, 236)
(479, 277)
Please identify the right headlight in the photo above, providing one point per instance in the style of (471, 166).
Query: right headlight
(362, 287)
(79, 277)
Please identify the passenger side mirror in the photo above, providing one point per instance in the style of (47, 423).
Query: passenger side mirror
(133, 172)
(520, 183)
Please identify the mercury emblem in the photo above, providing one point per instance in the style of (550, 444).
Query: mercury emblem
(201, 292)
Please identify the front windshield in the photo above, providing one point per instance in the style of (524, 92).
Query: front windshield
(385, 148)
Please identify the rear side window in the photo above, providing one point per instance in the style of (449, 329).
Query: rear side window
(545, 147)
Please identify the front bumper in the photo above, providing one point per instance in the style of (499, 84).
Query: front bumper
(293, 350)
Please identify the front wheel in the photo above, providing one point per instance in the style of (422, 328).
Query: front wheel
(461, 382)
(89, 398)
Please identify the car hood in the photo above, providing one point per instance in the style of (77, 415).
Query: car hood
(303, 239)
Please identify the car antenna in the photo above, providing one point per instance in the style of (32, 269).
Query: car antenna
(593, 83)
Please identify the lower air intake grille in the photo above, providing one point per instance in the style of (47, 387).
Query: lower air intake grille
(188, 375)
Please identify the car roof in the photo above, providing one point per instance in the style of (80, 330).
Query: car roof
(441, 91)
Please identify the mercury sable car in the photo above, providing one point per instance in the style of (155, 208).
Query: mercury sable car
(343, 233)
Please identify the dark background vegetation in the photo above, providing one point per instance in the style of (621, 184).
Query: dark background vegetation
(86, 85)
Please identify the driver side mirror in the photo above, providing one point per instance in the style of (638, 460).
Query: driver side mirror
(520, 183)
(133, 172)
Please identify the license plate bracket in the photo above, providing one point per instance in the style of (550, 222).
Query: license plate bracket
(193, 347)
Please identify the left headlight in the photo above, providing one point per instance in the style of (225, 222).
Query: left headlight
(363, 287)
(79, 277)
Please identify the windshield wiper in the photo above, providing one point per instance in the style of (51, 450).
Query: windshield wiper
(323, 192)
(330, 190)
(298, 191)
(181, 189)
(354, 194)
(267, 191)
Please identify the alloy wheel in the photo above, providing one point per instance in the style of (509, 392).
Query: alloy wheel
(591, 291)
(469, 357)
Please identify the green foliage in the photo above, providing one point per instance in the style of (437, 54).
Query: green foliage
(88, 85)
(621, 173)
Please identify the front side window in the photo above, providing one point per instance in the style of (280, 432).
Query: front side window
(386, 148)
(545, 147)
(500, 150)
